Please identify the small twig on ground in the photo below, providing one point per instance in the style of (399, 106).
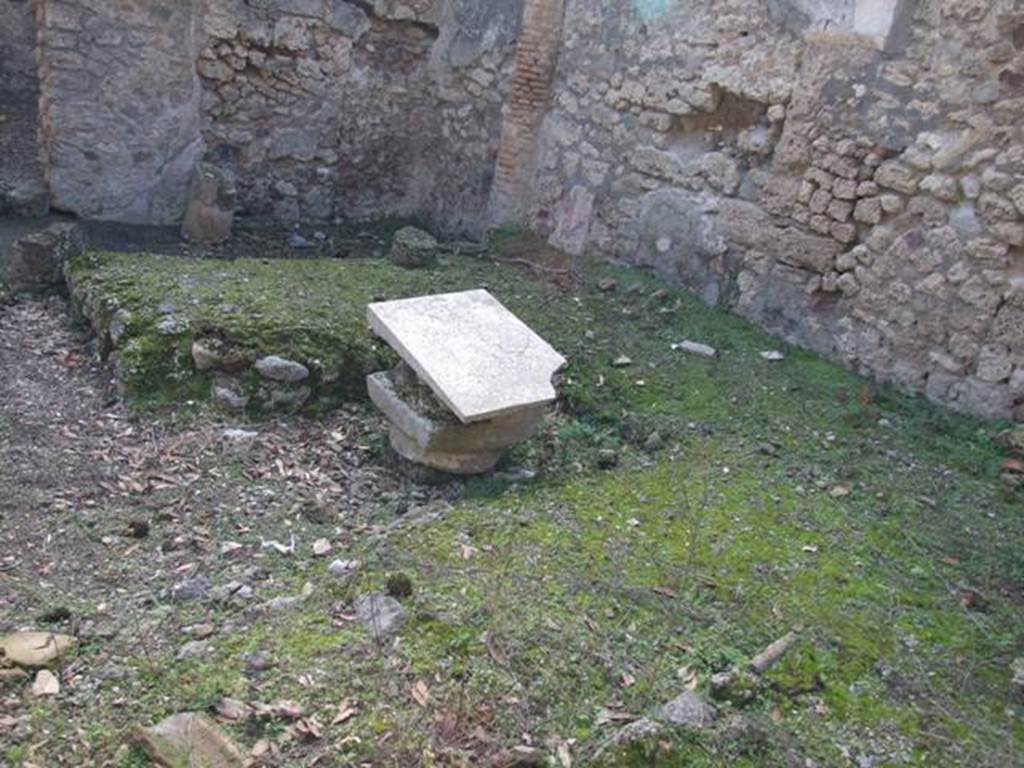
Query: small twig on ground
(767, 658)
(533, 265)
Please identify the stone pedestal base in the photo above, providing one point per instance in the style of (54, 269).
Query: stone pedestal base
(425, 432)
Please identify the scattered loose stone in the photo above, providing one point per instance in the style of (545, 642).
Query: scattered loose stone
(688, 709)
(321, 547)
(196, 588)
(193, 649)
(282, 603)
(189, 740)
(280, 369)
(172, 325)
(413, 247)
(696, 348)
(201, 631)
(773, 355)
(229, 398)
(224, 592)
(382, 615)
(45, 684)
(297, 241)
(654, 442)
(607, 285)
(35, 649)
(607, 458)
(1017, 668)
(622, 361)
(344, 569)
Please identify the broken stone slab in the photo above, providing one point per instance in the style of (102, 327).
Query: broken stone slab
(412, 247)
(188, 740)
(425, 432)
(34, 649)
(35, 262)
(479, 359)
(210, 212)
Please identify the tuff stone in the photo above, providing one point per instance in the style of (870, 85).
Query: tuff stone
(35, 262)
(210, 212)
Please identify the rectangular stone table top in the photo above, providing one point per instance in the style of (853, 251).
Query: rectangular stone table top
(478, 358)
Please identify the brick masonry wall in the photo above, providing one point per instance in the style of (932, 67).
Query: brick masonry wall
(533, 71)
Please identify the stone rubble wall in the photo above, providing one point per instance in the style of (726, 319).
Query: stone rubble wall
(321, 108)
(849, 175)
(119, 109)
(22, 190)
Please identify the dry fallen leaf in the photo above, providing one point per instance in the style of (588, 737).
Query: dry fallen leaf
(289, 710)
(495, 651)
(345, 711)
(421, 693)
(308, 728)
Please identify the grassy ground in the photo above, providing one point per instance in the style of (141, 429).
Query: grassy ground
(685, 512)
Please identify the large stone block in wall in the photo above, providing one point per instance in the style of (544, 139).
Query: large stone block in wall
(120, 107)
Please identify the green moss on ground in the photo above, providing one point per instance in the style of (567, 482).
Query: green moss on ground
(776, 496)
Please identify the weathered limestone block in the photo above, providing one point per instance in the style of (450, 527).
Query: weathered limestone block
(35, 262)
(479, 359)
(413, 247)
(426, 432)
(210, 214)
(475, 380)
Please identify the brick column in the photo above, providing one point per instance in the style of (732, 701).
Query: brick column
(532, 75)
